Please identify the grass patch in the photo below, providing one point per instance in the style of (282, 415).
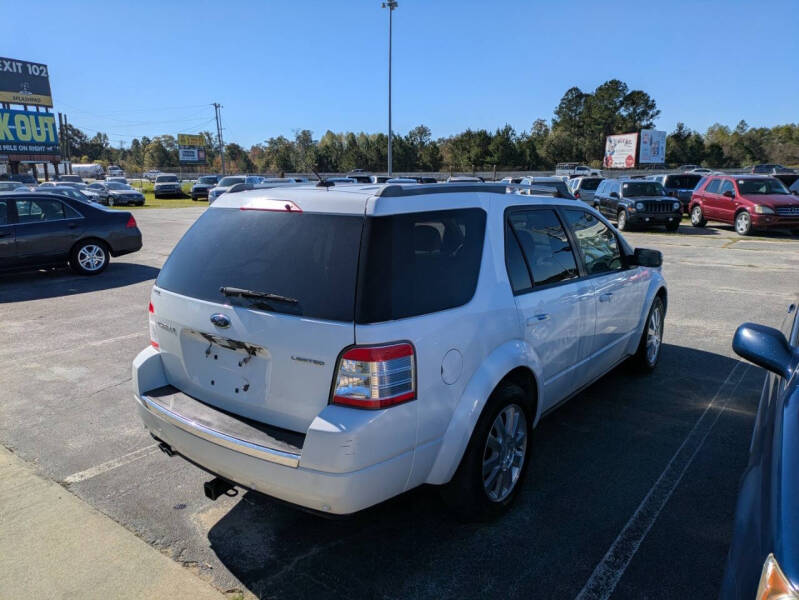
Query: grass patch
(150, 201)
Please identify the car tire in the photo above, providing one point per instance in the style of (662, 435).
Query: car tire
(673, 226)
(647, 355)
(743, 223)
(471, 494)
(698, 217)
(89, 257)
(621, 221)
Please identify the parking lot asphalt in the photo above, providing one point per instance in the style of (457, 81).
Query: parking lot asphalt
(631, 488)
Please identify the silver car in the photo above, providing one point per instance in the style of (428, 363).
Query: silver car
(167, 185)
(583, 188)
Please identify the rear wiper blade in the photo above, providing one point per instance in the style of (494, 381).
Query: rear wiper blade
(234, 291)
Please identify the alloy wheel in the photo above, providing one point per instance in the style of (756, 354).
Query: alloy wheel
(654, 335)
(743, 223)
(91, 257)
(504, 453)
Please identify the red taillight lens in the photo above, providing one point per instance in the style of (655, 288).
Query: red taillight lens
(373, 377)
(153, 326)
(577, 195)
(131, 223)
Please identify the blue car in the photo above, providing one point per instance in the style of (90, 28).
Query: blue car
(679, 185)
(763, 561)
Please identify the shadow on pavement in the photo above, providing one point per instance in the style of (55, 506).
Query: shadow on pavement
(50, 283)
(594, 460)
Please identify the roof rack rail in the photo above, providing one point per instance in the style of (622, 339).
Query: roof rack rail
(397, 191)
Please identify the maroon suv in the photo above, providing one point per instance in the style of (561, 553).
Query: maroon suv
(746, 201)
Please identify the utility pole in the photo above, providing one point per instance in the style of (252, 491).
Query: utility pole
(68, 149)
(217, 108)
(390, 5)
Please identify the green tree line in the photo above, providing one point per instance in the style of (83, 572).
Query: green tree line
(577, 132)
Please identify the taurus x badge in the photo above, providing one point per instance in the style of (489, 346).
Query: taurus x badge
(220, 320)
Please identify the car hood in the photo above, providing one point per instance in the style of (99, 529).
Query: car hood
(124, 192)
(773, 199)
(204, 185)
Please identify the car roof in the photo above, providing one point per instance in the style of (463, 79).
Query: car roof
(383, 198)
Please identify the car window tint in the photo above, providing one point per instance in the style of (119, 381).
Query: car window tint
(419, 263)
(713, 186)
(545, 246)
(517, 269)
(598, 244)
(726, 186)
(40, 209)
(3, 212)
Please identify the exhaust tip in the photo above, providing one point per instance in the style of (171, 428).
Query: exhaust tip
(166, 449)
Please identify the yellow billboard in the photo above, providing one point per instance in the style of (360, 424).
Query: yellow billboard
(190, 139)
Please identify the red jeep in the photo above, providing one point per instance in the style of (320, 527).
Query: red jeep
(746, 201)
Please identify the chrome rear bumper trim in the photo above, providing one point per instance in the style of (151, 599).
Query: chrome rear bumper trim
(287, 459)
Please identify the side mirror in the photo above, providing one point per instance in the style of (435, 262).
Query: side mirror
(644, 257)
(614, 194)
(729, 194)
(766, 347)
(795, 192)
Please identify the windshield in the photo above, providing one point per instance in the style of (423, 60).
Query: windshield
(206, 180)
(115, 185)
(683, 182)
(166, 179)
(642, 188)
(767, 185)
(590, 184)
(228, 181)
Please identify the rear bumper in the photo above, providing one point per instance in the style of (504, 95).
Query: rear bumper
(341, 467)
(125, 243)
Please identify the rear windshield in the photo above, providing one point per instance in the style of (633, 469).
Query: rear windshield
(411, 264)
(166, 179)
(590, 184)
(683, 182)
(310, 257)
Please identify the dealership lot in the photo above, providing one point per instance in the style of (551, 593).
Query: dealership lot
(631, 488)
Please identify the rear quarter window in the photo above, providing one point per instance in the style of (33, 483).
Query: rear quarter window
(419, 263)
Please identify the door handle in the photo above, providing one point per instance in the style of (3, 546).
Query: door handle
(606, 297)
(537, 319)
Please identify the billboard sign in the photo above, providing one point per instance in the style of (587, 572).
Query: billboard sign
(191, 149)
(191, 155)
(23, 82)
(189, 139)
(620, 151)
(28, 135)
(653, 147)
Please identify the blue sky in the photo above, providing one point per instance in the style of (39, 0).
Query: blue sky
(146, 67)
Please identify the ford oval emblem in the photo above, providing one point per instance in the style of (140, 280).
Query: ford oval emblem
(220, 320)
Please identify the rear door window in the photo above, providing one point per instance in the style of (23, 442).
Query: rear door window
(312, 258)
(598, 244)
(713, 186)
(3, 212)
(419, 263)
(40, 209)
(545, 246)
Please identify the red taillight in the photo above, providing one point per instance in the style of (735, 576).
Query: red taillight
(577, 195)
(131, 223)
(375, 377)
(153, 326)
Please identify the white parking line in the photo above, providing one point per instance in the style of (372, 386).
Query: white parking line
(112, 464)
(610, 569)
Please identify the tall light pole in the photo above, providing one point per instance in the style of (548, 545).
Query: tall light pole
(390, 5)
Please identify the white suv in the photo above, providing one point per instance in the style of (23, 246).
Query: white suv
(334, 347)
